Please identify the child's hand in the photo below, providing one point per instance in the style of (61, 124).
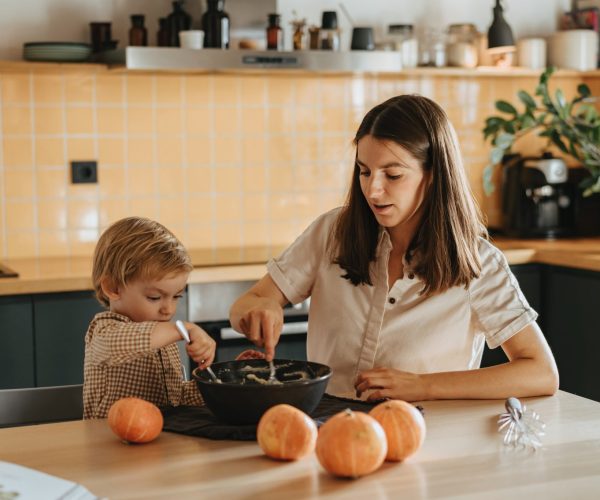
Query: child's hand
(250, 354)
(201, 347)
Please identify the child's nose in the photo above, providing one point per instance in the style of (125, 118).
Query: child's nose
(168, 308)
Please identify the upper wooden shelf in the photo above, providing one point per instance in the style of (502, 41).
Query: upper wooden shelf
(155, 60)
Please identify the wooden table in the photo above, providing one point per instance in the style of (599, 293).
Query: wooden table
(462, 457)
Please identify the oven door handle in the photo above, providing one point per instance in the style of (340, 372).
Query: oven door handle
(288, 329)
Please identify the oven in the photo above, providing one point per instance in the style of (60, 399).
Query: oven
(208, 306)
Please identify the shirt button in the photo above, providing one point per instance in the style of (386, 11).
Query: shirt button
(411, 276)
(392, 300)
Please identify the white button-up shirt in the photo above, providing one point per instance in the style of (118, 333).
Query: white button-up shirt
(356, 328)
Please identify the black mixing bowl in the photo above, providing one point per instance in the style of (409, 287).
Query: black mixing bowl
(244, 394)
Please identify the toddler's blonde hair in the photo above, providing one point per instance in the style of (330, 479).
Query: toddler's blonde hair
(136, 248)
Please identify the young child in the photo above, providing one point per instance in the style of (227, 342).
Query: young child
(140, 271)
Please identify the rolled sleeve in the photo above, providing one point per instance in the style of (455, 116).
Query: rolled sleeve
(497, 302)
(295, 270)
(117, 342)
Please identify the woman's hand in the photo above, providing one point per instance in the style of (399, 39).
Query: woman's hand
(258, 314)
(389, 383)
(262, 324)
(201, 347)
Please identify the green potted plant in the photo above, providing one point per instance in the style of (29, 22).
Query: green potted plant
(573, 126)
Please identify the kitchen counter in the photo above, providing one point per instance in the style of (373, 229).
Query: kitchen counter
(462, 457)
(58, 274)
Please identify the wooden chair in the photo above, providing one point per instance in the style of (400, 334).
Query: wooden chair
(40, 405)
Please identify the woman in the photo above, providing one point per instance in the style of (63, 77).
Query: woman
(405, 288)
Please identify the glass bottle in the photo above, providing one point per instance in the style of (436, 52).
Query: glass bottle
(138, 36)
(329, 34)
(178, 20)
(274, 33)
(162, 35)
(215, 23)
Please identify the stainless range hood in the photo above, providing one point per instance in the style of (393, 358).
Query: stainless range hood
(177, 59)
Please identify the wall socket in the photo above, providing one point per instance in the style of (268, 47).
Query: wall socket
(84, 172)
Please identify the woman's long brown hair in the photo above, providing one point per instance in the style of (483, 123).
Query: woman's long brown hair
(446, 243)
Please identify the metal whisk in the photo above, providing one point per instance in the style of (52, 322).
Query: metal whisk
(522, 428)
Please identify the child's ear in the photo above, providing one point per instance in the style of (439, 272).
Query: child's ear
(109, 288)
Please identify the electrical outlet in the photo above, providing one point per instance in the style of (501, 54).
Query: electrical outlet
(84, 172)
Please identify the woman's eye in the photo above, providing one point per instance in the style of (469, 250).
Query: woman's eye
(394, 177)
(153, 299)
(177, 297)
(365, 173)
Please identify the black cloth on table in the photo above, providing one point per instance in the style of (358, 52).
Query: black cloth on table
(200, 421)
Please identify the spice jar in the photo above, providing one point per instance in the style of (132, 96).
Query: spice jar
(274, 33)
(462, 46)
(138, 36)
(162, 35)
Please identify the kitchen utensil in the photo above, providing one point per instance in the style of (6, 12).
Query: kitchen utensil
(186, 336)
(272, 379)
(521, 428)
(245, 393)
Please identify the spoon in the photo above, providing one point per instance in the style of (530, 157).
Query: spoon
(184, 333)
(272, 379)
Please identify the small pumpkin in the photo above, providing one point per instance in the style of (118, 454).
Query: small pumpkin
(135, 420)
(351, 444)
(286, 433)
(404, 428)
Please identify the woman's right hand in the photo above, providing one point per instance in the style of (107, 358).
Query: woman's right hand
(258, 314)
(262, 324)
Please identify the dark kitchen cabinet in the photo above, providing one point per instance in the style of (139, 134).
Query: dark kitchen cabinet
(530, 278)
(572, 308)
(16, 337)
(61, 320)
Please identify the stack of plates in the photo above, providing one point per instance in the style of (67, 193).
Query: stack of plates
(56, 51)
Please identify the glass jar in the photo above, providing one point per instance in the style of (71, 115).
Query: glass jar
(463, 46)
(433, 48)
(403, 40)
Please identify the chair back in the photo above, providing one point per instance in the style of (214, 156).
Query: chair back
(40, 405)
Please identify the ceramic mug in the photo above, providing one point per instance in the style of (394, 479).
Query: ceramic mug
(191, 39)
(531, 53)
(574, 49)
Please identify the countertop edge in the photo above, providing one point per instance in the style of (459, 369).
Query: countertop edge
(72, 275)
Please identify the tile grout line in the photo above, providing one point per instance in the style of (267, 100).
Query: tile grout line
(156, 209)
(185, 163)
(3, 180)
(66, 176)
(34, 164)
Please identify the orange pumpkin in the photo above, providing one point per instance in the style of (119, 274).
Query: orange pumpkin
(135, 420)
(351, 444)
(286, 433)
(404, 428)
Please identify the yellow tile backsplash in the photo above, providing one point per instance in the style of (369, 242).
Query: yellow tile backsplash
(234, 164)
